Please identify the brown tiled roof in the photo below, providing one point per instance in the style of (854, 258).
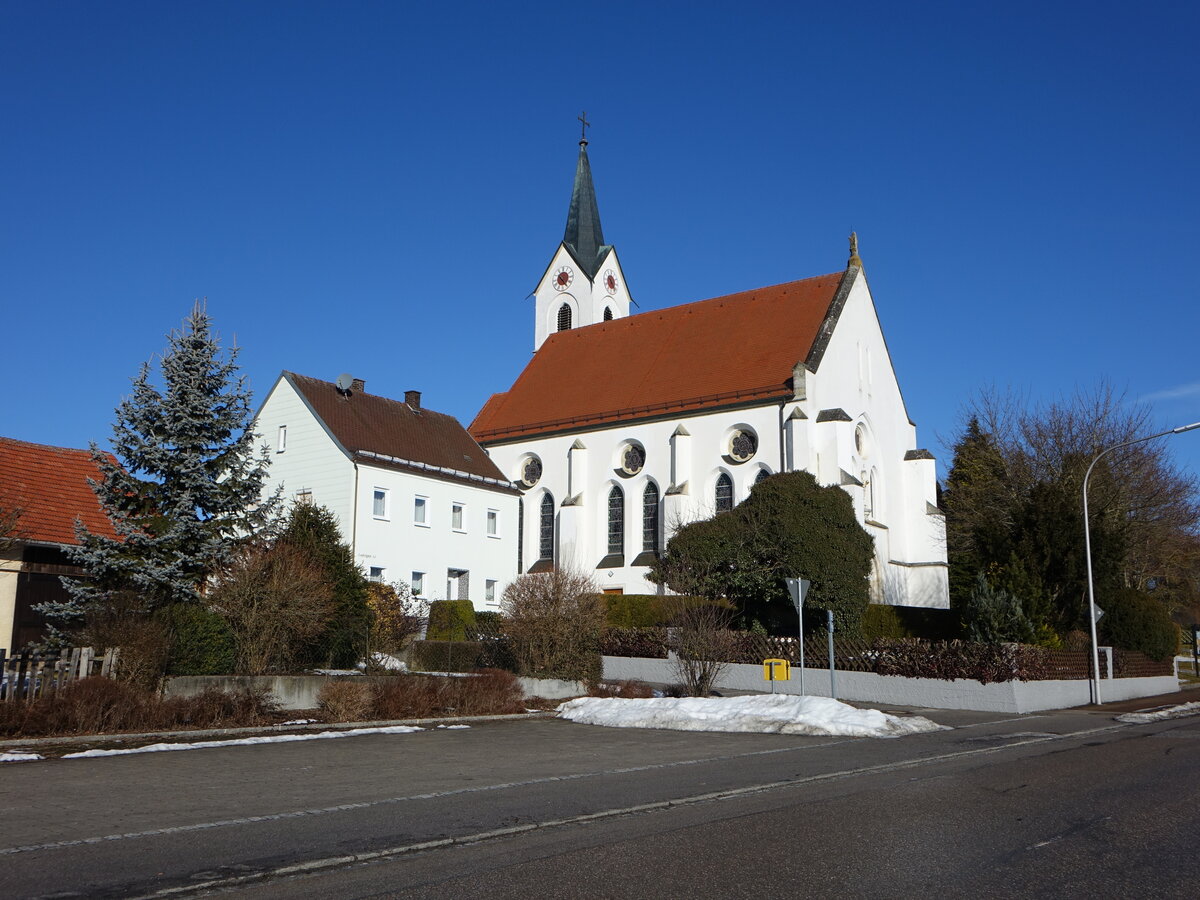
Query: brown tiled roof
(719, 352)
(49, 485)
(390, 433)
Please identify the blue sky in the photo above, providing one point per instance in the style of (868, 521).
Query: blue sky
(375, 188)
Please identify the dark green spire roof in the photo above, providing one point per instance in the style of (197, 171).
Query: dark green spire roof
(583, 236)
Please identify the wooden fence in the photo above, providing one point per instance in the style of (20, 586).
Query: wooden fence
(27, 676)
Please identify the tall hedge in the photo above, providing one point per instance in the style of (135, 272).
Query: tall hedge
(449, 620)
(1136, 621)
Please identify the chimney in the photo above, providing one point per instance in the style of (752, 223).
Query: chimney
(358, 386)
(413, 399)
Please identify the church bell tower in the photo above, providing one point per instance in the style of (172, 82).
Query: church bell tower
(583, 285)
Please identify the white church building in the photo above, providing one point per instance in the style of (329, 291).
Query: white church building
(623, 427)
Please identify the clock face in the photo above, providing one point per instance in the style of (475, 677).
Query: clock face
(563, 278)
(610, 281)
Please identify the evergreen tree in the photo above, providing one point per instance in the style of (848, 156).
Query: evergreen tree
(343, 641)
(789, 527)
(187, 487)
(994, 616)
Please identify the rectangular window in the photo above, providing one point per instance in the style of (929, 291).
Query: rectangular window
(456, 516)
(489, 590)
(304, 495)
(379, 503)
(281, 441)
(418, 584)
(493, 523)
(420, 507)
(376, 574)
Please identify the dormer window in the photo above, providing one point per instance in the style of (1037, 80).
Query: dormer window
(564, 317)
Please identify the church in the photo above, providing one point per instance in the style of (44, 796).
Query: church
(623, 427)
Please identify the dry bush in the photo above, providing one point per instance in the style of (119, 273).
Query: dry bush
(347, 700)
(122, 620)
(215, 708)
(704, 644)
(487, 692)
(555, 621)
(276, 600)
(409, 697)
(623, 690)
(397, 617)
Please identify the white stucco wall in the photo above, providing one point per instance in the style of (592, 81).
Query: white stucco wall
(10, 568)
(313, 462)
(586, 299)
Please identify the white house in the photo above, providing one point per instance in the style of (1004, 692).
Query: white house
(417, 499)
(622, 427)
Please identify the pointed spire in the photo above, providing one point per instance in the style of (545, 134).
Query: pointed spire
(855, 259)
(583, 235)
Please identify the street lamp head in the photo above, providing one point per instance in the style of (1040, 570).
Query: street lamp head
(1182, 428)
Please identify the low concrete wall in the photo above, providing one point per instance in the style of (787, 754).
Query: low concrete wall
(300, 691)
(867, 687)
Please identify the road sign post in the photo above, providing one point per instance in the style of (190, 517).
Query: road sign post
(798, 588)
(829, 629)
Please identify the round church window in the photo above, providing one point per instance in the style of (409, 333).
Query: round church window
(743, 445)
(633, 459)
(531, 472)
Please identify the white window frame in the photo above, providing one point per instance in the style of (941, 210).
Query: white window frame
(457, 506)
(418, 584)
(281, 439)
(423, 502)
(378, 579)
(489, 591)
(387, 498)
(493, 523)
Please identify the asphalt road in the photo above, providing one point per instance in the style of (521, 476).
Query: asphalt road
(1066, 804)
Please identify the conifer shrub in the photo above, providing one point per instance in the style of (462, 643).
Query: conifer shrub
(449, 620)
(202, 642)
(1136, 621)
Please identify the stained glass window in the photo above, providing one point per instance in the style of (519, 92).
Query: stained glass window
(743, 445)
(616, 521)
(650, 518)
(633, 458)
(546, 529)
(724, 493)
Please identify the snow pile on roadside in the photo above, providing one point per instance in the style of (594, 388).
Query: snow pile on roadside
(19, 756)
(764, 713)
(1171, 712)
(242, 742)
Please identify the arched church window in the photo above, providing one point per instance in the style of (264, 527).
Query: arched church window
(608, 314)
(520, 535)
(616, 521)
(564, 318)
(724, 493)
(546, 529)
(650, 518)
(762, 476)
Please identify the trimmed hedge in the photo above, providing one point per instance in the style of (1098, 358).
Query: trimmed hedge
(445, 656)
(1136, 621)
(201, 641)
(960, 659)
(449, 620)
(648, 643)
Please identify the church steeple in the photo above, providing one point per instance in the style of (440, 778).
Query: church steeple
(583, 235)
(583, 285)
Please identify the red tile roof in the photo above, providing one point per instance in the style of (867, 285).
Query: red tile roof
(49, 485)
(713, 353)
(374, 429)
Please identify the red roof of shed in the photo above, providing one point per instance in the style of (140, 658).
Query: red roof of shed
(49, 486)
(713, 353)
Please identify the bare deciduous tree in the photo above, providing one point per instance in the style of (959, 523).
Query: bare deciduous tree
(275, 599)
(397, 617)
(554, 621)
(702, 646)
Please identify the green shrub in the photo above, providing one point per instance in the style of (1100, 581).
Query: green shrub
(445, 656)
(883, 621)
(638, 610)
(488, 620)
(1136, 621)
(449, 620)
(202, 642)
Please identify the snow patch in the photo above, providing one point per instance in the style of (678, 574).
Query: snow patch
(762, 713)
(244, 742)
(452, 727)
(299, 722)
(1159, 715)
(19, 756)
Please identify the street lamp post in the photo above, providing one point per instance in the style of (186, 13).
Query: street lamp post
(1087, 541)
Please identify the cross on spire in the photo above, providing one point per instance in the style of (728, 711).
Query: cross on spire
(582, 117)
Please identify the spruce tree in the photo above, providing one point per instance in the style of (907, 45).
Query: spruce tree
(187, 486)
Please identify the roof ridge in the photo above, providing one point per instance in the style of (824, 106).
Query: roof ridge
(86, 450)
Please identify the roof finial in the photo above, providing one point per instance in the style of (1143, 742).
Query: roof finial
(583, 130)
(855, 259)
